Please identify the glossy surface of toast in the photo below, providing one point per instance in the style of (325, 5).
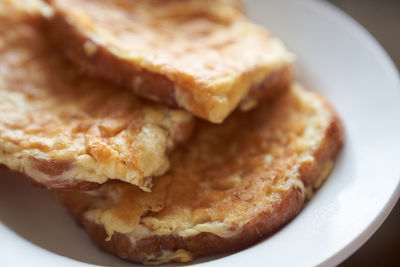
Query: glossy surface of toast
(229, 187)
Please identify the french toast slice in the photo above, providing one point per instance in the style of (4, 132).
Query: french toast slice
(229, 187)
(202, 55)
(64, 130)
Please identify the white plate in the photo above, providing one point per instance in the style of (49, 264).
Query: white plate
(335, 57)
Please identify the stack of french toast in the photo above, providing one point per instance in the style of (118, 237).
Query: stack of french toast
(170, 129)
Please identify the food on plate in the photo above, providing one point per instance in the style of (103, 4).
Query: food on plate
(65, 130)
(124, 166)
(228, 187)
(202, 55)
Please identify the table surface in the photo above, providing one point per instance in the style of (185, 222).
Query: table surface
(382, 20)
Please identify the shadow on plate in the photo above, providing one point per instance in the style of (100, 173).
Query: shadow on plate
(35, 215)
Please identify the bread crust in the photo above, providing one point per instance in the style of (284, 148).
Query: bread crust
(100, 61)
(203, 244)
(150, 249)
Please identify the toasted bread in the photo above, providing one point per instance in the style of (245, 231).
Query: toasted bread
(202, 55)
(64, 130)
(229, 187)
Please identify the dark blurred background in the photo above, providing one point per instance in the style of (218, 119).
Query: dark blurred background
(382, 19)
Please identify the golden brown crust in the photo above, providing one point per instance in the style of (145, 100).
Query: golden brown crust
(202, 244)
(157, 83)
(65, 130)
(301, 130)
(66, 185)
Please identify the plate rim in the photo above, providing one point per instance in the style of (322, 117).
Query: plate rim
(329, 9)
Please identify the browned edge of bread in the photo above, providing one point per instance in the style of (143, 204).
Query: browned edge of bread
(60, 185)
